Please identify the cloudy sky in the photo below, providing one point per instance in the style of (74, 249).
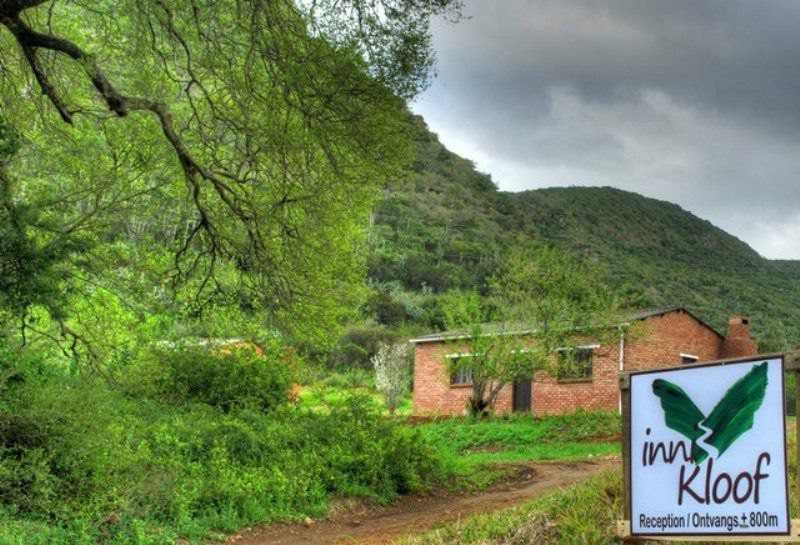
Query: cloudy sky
(693, 102)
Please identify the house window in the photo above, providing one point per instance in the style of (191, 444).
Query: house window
(575, 363)
(462, 375)
(689, 358)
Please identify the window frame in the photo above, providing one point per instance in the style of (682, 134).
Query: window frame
(588, 377)
(467, 381)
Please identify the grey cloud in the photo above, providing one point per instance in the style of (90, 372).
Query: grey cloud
(693, 102)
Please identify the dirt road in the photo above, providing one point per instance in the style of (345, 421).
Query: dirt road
(379, 525)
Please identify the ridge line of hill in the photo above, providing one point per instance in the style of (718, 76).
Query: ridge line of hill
(442, 228)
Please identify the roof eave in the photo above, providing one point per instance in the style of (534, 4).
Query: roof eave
(662, 312)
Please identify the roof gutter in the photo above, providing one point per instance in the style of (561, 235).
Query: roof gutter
(441, 338)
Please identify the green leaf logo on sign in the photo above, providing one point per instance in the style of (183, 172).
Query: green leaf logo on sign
(730, 419)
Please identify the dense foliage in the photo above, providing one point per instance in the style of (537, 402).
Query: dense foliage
(227, 377)
(447, 227)
(81, 461)
(230, 151)
(173, 173)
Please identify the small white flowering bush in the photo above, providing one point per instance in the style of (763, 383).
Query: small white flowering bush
(391, 373)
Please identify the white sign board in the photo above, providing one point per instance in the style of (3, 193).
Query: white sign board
(708, 450)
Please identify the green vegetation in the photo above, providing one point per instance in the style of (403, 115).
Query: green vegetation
(471, 447)
(176, 173)
(332, 387)
(538, 285)
(582, 514)
(84, 462)
(446, 228)
(229, 378)
(463, 434)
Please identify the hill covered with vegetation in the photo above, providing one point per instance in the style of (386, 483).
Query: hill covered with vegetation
(445, 227)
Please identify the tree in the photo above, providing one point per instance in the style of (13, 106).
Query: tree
(541, 302)
(247, 137)
(391, 373)
(31, 268)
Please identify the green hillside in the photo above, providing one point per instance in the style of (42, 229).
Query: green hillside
(444, 228)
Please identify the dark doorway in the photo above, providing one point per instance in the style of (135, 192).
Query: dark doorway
(522, 395)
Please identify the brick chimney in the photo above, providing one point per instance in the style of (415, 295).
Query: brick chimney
(738, 342)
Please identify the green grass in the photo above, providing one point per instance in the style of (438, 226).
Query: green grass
(475, 450)
(562, 451)
(320, 397)
(522, 430)
(583, 514)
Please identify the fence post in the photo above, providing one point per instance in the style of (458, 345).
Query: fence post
(792, 365)
(791, 362)
(625, 398)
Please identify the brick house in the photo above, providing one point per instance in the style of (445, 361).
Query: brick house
(670, 336)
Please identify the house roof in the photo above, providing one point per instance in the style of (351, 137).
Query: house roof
(522, 329)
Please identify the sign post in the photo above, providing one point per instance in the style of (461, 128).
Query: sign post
(704, 452)
(793, 366)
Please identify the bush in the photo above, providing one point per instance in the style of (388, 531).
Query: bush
(385, 308)
(226, 378)
(347, 379)
(358, 345)
(82, 462)
(392, 373)
(365, 452)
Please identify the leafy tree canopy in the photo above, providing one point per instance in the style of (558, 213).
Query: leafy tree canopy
(237, 143)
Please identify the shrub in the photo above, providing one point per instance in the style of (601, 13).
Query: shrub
(365, 452)
(226, 378)
(392, 373)
(83, 462)
(358, 345)
(385, 308)
(347, 379)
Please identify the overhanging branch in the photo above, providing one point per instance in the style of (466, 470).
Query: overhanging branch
(31, 41)
(44, 83)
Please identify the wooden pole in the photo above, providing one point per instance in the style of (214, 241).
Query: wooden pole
(625, 398)
(797, 430)
(792, 365)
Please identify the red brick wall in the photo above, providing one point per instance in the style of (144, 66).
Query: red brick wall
(550, 395)
(662, 339)
(738, 343)
(658, 341)
(433, 393)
